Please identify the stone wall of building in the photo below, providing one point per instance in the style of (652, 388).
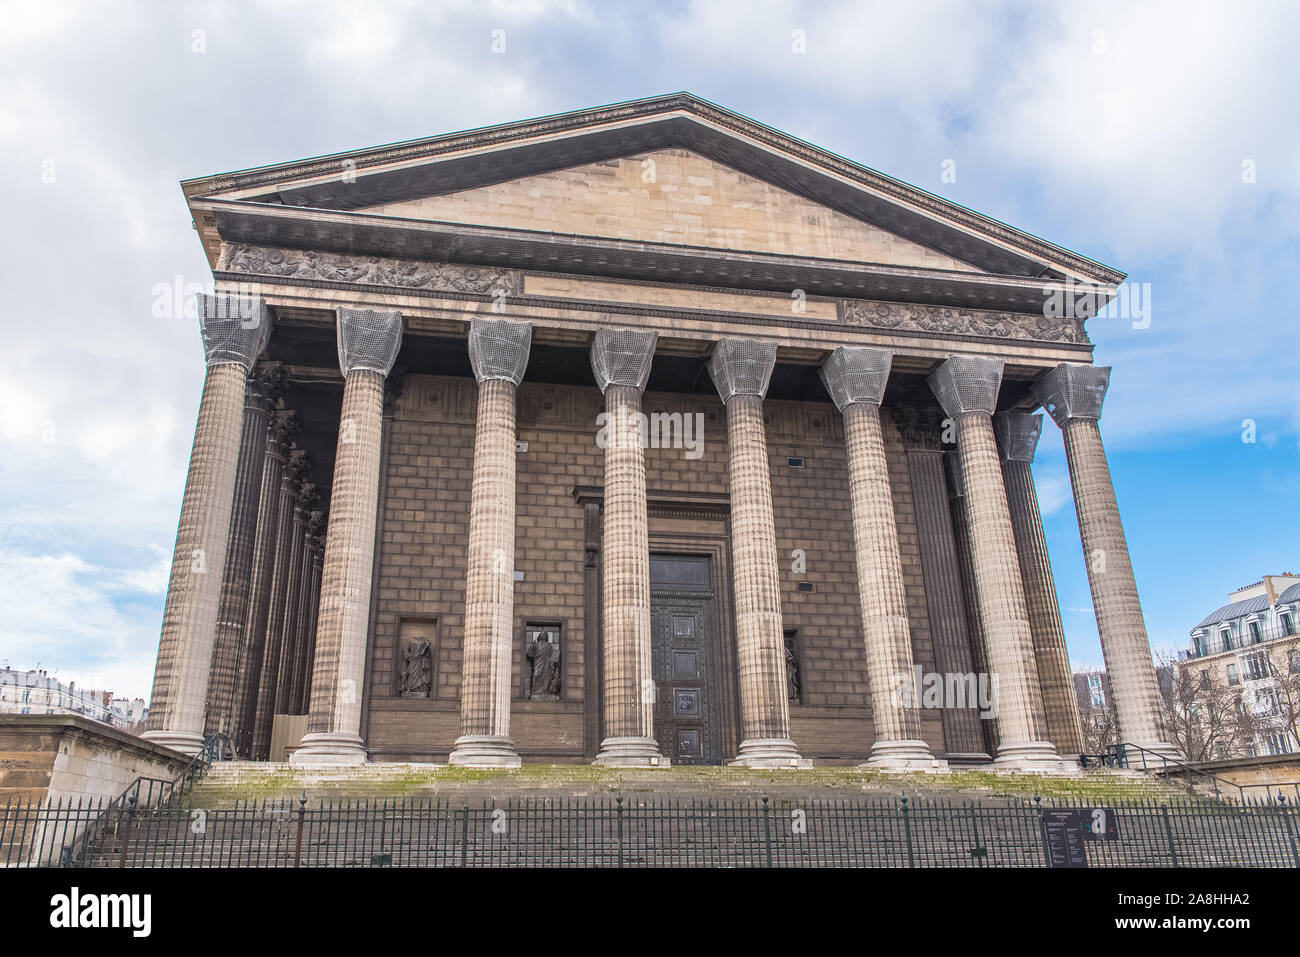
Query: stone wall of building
(422, 556)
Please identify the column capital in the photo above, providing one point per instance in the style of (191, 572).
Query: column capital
(622, 357)
(498, 349)
(284, 425)
(369, 339)
(1017, 435)
(856, 374)
(742, 367)
(1073, 391)
(295, 470)
(967, 384)
(234, 330)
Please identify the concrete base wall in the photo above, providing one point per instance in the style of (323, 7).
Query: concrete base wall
(47, 758)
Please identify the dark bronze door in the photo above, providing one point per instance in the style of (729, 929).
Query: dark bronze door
(681, 614)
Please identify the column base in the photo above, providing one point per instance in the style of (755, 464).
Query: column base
(768, 753)
(903, 755)
(630, 752)
(484, 751)
(329, 748)
(1032, 756)
(186, 742)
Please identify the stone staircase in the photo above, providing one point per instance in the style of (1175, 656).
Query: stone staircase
(226, 784)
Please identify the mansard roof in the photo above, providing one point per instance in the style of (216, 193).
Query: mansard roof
(310, 204)
(1237, 609)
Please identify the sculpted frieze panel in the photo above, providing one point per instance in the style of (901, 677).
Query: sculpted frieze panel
(959, 321)
(367, 270)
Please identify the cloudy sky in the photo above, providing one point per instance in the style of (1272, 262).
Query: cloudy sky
(1158, 138)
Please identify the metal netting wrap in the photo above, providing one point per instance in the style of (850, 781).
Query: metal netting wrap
(1018, 434)
(368, 339)
(622, 357)
(856, 374)
(956, 480)
(742, 367)
(1073, 391)
(234, 330)
(967, 384)
(498, 349)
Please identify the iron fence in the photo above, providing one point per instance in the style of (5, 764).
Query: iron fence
(620, 832)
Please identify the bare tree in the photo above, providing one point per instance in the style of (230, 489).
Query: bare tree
(1098, 722)
(1206, 719)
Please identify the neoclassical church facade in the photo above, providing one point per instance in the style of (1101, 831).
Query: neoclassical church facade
(643, 435)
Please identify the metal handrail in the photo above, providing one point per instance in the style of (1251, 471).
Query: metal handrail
(1116, 755)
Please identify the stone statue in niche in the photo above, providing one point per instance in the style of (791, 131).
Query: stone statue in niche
(417, 671)
(544, 658)
(792, 677)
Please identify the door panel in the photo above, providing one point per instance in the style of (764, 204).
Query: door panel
(686, 713)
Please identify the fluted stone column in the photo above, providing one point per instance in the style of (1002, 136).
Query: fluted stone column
(741, 370)
(855, 377)
(296, 700)
(1017, 434)
(620, 359)
(289, 530)
(967, 388)
(291, 649)
(368, 343)
(234, 333)
(498, 352)
(313, 605)
(1072, 395)
(260, 393)
(249, 675)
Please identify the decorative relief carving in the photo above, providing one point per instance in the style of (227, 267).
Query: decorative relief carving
(367, 270)
(416, 677)
(958, 321)
(543, 654)
(919, 426)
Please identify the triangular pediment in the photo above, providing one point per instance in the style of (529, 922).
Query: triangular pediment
(673, 196)
(570, 190)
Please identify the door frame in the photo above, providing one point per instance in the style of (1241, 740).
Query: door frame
(725, 687)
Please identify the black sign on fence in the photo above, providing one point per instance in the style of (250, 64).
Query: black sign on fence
(1063, 837)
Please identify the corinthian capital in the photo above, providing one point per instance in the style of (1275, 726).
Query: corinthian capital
(1017, 435)
(368, 339)
(967, 384)
(234, 330)
(742, 367)
(856, 374)
(1073, 391)
(622, 357)
(498, 349)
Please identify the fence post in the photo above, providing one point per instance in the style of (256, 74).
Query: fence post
(618, 804)
(1290, 831)
(126, 834)
(767, 831)
(1169, 833)
(907, 830)
(464, 836)
(302, 813)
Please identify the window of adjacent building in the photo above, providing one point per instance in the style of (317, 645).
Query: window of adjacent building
(1096, 696)
(1225, 636)
(1287, 625)
(1257, 667)
(1276, 743)
(1255, 635)
(1295, 662)
(1267, 702)
(1233, 677)
(1198, 645)
(1241, 707)
(1205, 679)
